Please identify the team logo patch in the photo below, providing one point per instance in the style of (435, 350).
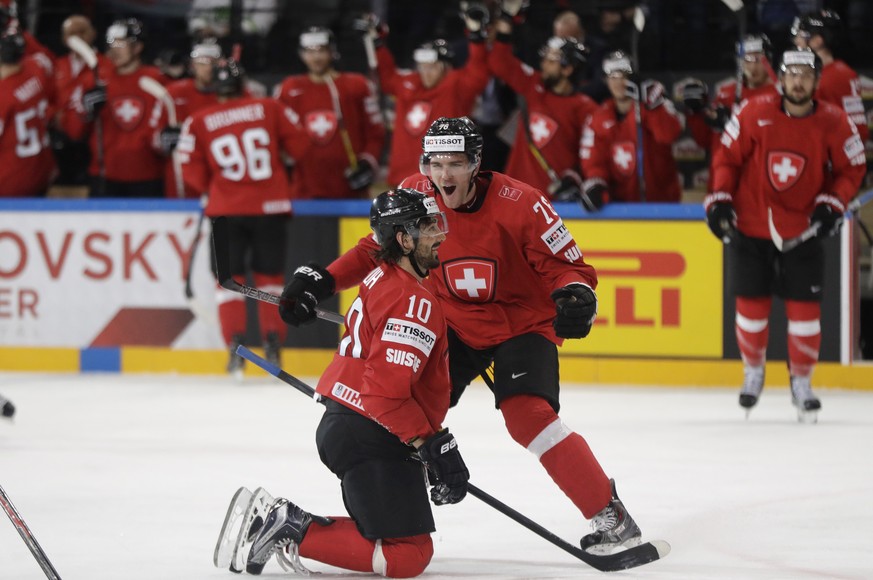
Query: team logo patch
(320, 126)
(557, 237)
(624, 158)
(510, 193)
(416, 119)
(784, 169)
(347, 394)
(424, 186)
(542, 129)
(471, 279)
(409, 333)
(128, 112)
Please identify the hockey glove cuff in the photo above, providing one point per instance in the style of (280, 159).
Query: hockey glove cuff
(594, 194)
(720, 216)
(446, 468)
(568, 189)
(828, 214)
(576, 306)
(309, 285)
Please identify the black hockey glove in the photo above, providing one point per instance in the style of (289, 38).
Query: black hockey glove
(594, 195)
(169, 139)
(93, 100)
(718, 117)
(576, 306)
(722, 220)
(308, 285)
(568, 189)
(695, 95)
(446, 468)
(476, 17)
(362, 176)
(828, 218)
(514, 10)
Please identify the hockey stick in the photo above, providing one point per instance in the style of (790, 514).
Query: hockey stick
(639, 23)
(221, 248)
(27, 536)
(534, 150)
(87, 54)
(341, 122)
(787, 245)
(630, 558)
(739, 9)
(159, 92)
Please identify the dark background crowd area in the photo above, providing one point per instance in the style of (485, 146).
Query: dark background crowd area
(679, 35)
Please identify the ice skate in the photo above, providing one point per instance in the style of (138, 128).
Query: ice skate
(230, 529)
(806, 402)
(235, 363)
(273, 349)
(753, 384)
(244, 520)
(614, 528)
(7, 409)
(283, 530)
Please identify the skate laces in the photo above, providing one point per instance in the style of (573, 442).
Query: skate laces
(801, 388)
(605, 520)
(288, 556)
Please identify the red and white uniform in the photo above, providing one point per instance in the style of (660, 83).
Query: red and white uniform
(417, 107)
(321, 173)
(556, 121)
(840, 86)
(128, 126)
(609, 152)
(232, 151)
(771, 160)
(702, 132)
(26, 160)
(71, 76)
(38, 52)
(392, 361)
(513, 250)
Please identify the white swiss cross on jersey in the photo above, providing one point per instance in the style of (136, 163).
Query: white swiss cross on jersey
(624, 158)
(471, 279)
(416, 118)
(320, 125)
(128, 112)
(784, 169)
(542, 129)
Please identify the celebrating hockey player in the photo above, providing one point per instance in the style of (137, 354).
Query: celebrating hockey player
(513, 285)
(787, 163)
(387, 393)
(232, 151)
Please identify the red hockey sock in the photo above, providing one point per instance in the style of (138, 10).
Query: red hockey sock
(804, 336)
(231, 312)
(752, 328)
(268, 314)
(340, 544)
(533, 423)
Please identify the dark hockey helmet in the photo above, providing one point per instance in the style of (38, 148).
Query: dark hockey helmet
(452, 135)
(436, 51)
(227, 78)
(125, 29)
(826, 23)
(569, 50)
(11, 47)
(618, 62)
(757, 44)
(801, 57)
(406, 209)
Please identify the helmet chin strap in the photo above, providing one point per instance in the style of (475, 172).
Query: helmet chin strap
(422, 273)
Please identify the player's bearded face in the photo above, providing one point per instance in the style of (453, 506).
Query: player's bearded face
(122, 53)
(799, 84)
(426, 250)
(317, 59)
(452, 173)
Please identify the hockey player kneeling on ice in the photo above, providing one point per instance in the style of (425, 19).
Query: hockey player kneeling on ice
(387, 394)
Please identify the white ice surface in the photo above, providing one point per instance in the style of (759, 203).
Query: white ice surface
(128, 477)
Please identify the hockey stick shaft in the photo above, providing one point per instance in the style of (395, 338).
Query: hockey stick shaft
(631, 558)
(89, 56)
(340, 121)
(189, 292)
(221, 248)
(27, 536)
(786, 245)
(160, 92)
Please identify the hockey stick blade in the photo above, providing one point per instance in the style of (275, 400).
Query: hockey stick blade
(159, 92)
(83, 50)
(221, 249)
(624, 560)
(734, 5)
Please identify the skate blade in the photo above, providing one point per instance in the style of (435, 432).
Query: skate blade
(608, 549)
(230, 528)
(807, 417)
(258, 506)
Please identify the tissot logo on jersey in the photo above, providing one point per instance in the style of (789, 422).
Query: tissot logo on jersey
(410, 334)
(402, 358)
(557, 237)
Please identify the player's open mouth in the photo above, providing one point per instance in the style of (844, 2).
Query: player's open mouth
(449, 189)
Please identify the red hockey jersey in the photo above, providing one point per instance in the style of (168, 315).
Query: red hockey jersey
(26, 160)
(702, 132)
(232, 151)
(840, 86)
(771, 160)
(392, 361)
(500, 262)
(555, 121)
(417, 107)
(609, 152)
(321, 174)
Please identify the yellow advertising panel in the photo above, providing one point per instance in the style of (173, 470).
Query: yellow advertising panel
(659, 290)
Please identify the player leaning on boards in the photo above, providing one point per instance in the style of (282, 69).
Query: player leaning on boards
(513, 284)
(788, 163)
(387, 393)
